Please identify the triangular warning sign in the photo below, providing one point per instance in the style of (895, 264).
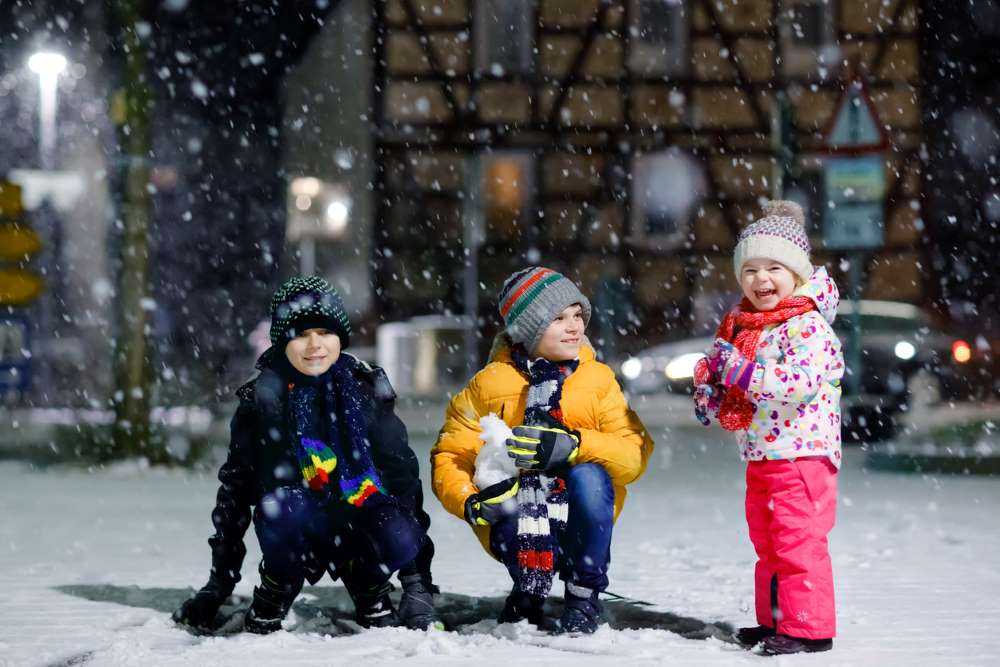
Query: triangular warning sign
(855, 126)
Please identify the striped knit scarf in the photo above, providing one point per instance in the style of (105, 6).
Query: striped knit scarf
(331, 436)
(541, 499)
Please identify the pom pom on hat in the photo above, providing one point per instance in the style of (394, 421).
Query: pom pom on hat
(784, 208)
(779, 235)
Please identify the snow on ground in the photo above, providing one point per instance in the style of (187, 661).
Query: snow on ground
(92, 562)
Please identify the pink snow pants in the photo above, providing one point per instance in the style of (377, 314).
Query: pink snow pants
(791, 507)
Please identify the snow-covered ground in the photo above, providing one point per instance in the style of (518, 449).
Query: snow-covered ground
(91, 564)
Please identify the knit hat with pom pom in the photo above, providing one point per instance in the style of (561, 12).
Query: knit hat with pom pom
(779, 235)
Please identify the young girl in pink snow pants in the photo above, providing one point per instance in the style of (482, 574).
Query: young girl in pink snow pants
(773, 377)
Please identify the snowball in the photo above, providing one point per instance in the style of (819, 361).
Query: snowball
(493, 465)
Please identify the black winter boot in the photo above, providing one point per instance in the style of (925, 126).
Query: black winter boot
(416, 606)
(271, 602)
(785, 645)
(750, 637)
(520, 606)
(373, 608)
(581, 611)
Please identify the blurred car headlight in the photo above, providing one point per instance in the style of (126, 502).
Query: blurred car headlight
(961, 351)
(683, 366)
(905, 350)
(631, 368)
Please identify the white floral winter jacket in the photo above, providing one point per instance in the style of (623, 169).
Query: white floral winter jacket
(795, 388)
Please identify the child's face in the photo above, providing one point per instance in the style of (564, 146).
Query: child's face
(314, 351)
(766, 282)
(561, 340)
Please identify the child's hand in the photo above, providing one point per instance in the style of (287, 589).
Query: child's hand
(543, 447)
(729, 365)
(707, 400)
(492, 503)
(702, 373)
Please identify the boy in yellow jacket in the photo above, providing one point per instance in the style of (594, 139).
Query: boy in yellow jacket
(576, 444)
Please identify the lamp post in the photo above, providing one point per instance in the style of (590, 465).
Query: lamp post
(48, 66)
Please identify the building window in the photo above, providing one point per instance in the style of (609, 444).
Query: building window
(808, 31)
(504, 36)
(667, 188)
(807, 23)
(659, 31)
(508, 193)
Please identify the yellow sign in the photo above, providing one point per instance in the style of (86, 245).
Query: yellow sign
(16, 243)
(19, 287)
(10, 200)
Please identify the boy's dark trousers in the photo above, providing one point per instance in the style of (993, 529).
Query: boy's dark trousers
(583, 545)
(295, 526)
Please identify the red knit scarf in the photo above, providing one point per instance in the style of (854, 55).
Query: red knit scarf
(742, 326)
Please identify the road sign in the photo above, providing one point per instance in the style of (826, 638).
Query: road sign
(855, 126)
(19, 287)
(10, 200)
(17, 242)
(854, 217)
(15, 357)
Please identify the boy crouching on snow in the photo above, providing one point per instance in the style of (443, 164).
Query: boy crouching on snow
(318, 451)
(575, 444)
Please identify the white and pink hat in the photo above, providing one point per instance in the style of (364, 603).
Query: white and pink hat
(779, 235)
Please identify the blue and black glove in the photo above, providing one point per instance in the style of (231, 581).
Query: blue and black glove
(492, 503)
(544, 448)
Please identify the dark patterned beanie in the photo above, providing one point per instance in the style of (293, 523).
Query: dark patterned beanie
(778, 235)
(307, 303)
(532, 298)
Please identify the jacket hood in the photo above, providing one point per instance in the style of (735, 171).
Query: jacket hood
(823, 292)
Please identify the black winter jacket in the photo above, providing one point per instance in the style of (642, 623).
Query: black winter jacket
(262, 458)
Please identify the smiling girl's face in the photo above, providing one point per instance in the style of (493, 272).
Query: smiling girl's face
(766, 282)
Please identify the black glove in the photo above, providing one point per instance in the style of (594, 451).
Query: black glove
(199, 610)
(492, 503)
(545, 448)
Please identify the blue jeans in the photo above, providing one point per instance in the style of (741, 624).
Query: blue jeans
(583, 546)
(296, 527)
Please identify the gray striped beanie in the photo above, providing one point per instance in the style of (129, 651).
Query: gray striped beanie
(532, 298)
(308, 302)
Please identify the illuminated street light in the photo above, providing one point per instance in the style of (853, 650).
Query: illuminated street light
(336, 217)
(47, 63)
(48, 66)
(319, 211)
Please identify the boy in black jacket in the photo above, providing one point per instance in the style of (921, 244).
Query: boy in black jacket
(317, 448)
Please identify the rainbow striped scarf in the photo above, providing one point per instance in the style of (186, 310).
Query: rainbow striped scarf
(331, 436)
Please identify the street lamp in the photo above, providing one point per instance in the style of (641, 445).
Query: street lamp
(317, 210)
(48, 66)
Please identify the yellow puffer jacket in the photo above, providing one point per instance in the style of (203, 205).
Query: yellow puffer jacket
(592, 403)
